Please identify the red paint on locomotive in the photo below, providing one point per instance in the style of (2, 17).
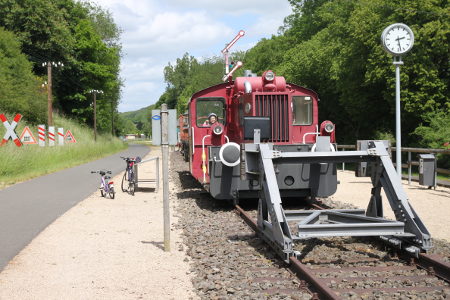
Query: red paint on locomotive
(293, 112)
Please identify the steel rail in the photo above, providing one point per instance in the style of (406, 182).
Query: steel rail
(302, 272)
(432, 263)
(435, 265)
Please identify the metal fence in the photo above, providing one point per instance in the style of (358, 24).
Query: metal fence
(410, 163)
(148, 180)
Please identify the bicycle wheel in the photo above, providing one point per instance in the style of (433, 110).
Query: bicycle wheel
(102, 191)
(112, 193)
(123, 180)
(131, 188)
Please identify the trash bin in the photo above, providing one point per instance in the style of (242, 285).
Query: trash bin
(427, 169)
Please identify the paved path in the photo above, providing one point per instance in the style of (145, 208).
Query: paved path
(29, 207)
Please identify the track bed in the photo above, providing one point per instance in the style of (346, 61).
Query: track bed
(231, 262)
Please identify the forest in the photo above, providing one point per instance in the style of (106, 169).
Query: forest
(330, 46)
(84, 42)
(334, 48)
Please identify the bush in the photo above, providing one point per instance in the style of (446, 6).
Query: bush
(436, 134)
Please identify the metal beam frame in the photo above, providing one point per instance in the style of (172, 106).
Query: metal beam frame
(273, 220)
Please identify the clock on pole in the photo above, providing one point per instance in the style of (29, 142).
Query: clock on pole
(397, 40)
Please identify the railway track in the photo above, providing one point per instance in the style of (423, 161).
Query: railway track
(230, 261)
(369, 274)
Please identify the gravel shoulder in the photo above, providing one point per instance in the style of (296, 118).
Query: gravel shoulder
(103, 249)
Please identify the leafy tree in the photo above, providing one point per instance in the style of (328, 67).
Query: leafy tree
(436, 134)
(334, 48)
(41, 27)
(20, 92)
(81, 35)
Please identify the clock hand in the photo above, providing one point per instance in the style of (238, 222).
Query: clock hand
(398, 41)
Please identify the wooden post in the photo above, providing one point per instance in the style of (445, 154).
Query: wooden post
(49, 94)
(95, 116)
(112, 118)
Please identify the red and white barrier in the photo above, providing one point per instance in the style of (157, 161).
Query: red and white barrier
(61, 136)
(10, 133)
(41, 130)
(51, 136)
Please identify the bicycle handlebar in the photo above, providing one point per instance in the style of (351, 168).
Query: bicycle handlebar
(101, 172)
(128, 159)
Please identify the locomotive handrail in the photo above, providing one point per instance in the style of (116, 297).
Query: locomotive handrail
(204, 157)
(311, 133)
(193, 141)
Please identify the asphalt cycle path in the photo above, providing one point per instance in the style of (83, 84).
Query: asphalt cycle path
(29, 207)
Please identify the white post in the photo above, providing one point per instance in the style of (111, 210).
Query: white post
(398, 132)
(51, 136)
(41, 134)
(61, 136)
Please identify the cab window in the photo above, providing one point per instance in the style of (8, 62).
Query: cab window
(205, 106)
(302, 110)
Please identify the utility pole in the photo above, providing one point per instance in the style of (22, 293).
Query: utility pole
(95, 92)
(49, 65)
(112, 118)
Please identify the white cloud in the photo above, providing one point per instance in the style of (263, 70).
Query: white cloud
(156, 32)
(172, 33)
(233, 7)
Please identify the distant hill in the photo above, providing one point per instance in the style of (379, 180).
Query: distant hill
(140, 118)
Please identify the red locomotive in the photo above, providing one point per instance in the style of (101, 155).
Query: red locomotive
(260, 137)
(184, 135)
(286, 115)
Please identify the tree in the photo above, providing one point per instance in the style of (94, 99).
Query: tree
(20, 92)
(334, 48)
(81, 35)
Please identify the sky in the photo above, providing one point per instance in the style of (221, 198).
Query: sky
(156, 32)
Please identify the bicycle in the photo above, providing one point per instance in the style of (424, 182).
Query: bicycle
(129, 175)
(106, 186)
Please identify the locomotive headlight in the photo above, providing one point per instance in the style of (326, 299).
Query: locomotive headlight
(269, 76)
(329, 127)
(230, 154)
(247, 107)
(218, 129)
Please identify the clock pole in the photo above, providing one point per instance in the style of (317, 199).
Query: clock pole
(398, 132)
(397, 40)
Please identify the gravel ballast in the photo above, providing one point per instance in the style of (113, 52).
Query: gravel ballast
(223, 249)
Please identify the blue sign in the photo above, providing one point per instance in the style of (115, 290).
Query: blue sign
(156, 117)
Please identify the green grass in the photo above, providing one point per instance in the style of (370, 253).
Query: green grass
(19, 164)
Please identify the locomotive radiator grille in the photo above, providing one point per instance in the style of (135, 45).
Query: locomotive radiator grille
(277, 108)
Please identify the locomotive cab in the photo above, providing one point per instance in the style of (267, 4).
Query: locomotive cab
(283, 115)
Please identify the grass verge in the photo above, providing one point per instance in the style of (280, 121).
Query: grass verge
(29, 161)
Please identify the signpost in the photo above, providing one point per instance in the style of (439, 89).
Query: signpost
(165, 168)
(10, 129)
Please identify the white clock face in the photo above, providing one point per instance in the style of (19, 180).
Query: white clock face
(398, 39)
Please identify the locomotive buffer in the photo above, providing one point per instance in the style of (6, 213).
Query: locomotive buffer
(406, 232)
